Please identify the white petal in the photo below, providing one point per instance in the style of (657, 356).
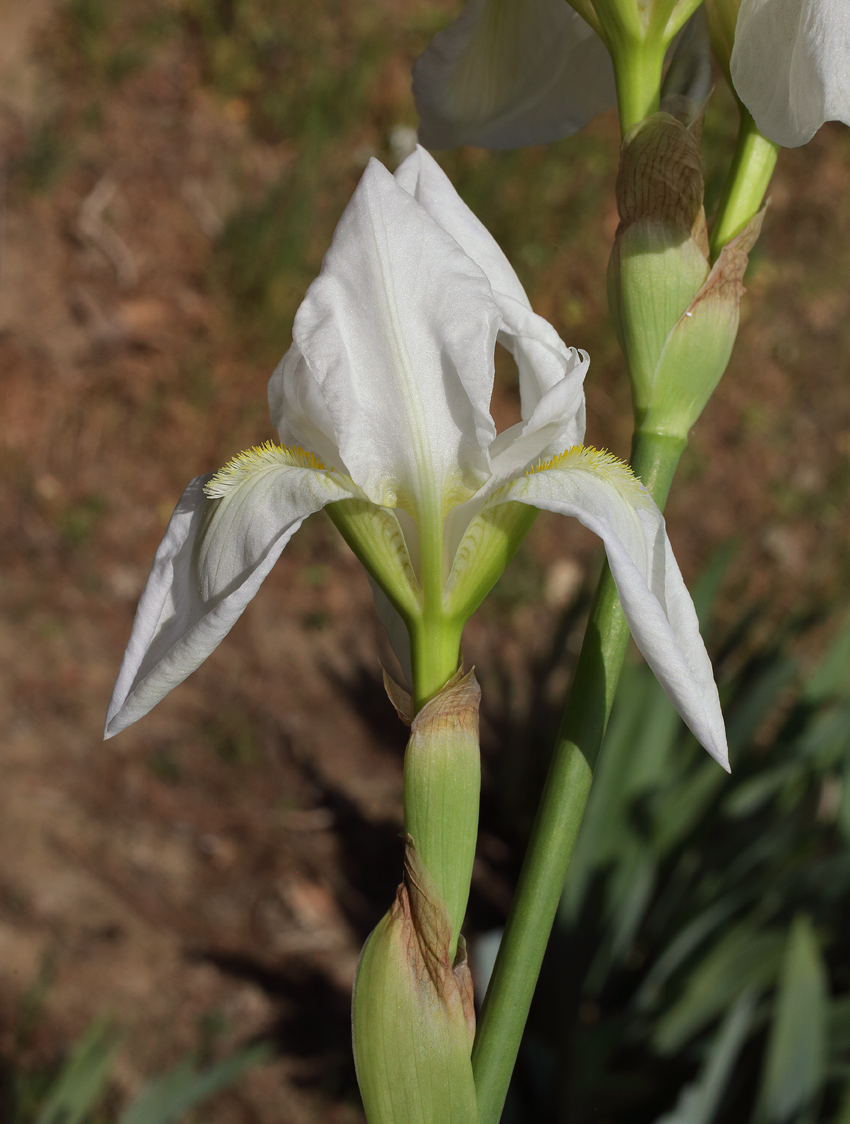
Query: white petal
(215, 555)
(544, 362)
(298, 411)
(509, 73)
(557, 424)
(601, 494)
(791, 65)
(396, 630)
(398, 333)
(422, 177)
(541, 356)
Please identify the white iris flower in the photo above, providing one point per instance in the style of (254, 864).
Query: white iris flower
(791, 65)
(509, 73)
(382, 405)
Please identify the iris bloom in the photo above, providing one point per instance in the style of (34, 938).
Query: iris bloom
(510, 73)
(382, 405)
(791, 65)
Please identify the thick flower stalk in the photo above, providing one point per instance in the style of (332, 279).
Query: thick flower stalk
(382, 405)
(413, 1017)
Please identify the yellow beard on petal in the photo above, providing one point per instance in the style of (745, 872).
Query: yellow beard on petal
(248, 463)
(600, 463)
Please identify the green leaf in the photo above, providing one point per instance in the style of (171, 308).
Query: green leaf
(843, 1116)
(827, 739)
(743, 958)
(164, 1099)
(605, 832)
(795, 1062)
(709, 582)
(680, 809)
(838, 1027)
(751, 794)
(844, 806)
(637, 758)
(699, 1101)
(687, 940)
(757, 701)
(629, 894)
(82, 1080)
(830, 677)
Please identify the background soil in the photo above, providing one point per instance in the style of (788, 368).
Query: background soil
(172, 172)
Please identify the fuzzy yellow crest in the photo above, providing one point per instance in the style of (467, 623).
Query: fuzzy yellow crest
(259, 459)
(599, 462)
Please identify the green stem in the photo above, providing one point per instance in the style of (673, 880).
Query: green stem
(434, 637)
(679, 14)
(637, 71)
(435, 654)
(511, 988)
(745, 186)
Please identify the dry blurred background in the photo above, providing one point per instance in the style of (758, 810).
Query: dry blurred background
(172, 171)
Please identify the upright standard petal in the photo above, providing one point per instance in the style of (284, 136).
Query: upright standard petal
(542, 359)
(602, 493)
(791, 65)
(213, 559)
(508, 73)
(396, 339)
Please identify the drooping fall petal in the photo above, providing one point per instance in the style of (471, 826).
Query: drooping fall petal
(509, 73)
(602, 494)
(791, 65)
(210, 564)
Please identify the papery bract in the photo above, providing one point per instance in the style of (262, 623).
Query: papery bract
(790, 65)
(382, 404)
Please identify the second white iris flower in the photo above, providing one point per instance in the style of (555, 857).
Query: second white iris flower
(508, 73)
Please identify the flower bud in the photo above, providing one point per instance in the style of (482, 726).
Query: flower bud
(675, 316)
(442, 784)
(413, 1015)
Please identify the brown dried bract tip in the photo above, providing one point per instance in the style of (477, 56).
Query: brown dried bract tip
(401, 700)
(426, 924)
(460, 696)
(460, 691)
(725, 282)
(660, 176)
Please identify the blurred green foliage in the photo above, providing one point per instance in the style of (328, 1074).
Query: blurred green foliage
(77, 1092)
(700, 966)
(79, 520)
(304, 77)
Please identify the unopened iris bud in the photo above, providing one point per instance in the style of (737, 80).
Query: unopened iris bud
(413, 1015)
(442, 786)
(675, 315)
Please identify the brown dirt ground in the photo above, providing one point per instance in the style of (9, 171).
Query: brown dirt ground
(210, 875)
